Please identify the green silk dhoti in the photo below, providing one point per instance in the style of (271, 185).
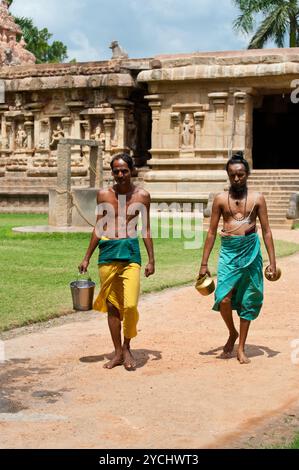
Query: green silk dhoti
(240, 268)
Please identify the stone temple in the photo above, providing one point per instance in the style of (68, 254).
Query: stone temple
(180, 117)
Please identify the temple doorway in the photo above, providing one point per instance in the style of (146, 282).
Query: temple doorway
(275, 133)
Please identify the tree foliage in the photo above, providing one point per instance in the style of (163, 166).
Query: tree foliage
(37, 41)
(280, 22)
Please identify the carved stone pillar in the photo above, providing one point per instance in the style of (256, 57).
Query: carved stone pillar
(28, 126)
(121, 113)
(10, 135)
(3, 132)
(176, 123)
(63, 196)
(108, 126)
(67, 126)
(36, 130)
(155, 102)
(243, 125)
(44, 134)
(77, 129)
(86, 129)
(198, 119)
(219, 100)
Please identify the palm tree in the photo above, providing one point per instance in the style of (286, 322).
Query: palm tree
(280, 20)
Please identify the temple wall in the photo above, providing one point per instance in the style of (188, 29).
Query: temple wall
(179, 116)
(94, 102)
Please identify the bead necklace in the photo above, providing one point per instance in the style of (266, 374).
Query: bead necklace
(238, 219)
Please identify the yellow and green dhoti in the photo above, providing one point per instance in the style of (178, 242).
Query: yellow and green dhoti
(240, 269)
(119, 271)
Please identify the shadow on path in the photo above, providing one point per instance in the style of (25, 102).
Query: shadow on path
(252, 350)
(142, 356)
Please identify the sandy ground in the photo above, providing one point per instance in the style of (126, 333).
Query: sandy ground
(55, 392)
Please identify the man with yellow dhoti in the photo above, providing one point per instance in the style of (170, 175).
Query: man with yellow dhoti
(240, 267)
(119, 259)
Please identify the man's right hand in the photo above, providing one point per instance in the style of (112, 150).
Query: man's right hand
(83, 266)
(204, 270)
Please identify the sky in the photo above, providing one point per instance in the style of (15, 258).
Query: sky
(144, 28)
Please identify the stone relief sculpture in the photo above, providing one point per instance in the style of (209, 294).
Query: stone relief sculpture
(18, 103)
(9, 134)
(117, 51)
(188, 132)
(57, 134)
(21, 137)
(99, 135)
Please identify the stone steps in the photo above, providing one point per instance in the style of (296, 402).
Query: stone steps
(277, 187)
(289, 187)
(23, 210)
(273, 172)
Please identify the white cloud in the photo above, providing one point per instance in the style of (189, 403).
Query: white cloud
(51, 14)
(81, 49)
(144, 28)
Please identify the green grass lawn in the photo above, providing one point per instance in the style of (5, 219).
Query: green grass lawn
(294, 444)
(36, 269)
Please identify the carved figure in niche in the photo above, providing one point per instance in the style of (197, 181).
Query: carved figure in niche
(57, 134)
(8, 56)
(34, 96)
(18, 101)
(187, 132)
(21, 137)
(132, 132)
(99, 134)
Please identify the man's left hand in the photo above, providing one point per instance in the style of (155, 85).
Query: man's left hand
(272, 270)
(149, 269)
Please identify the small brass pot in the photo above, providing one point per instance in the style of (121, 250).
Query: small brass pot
(205, 285)
(269, 276)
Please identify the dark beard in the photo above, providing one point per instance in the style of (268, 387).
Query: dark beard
(238, 192)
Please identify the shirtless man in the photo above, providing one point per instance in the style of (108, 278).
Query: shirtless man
(119, 259)
(240, 267)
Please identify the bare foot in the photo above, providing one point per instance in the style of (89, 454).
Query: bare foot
(242, 358)
(129, 361)
(117, 360)
(229, 345)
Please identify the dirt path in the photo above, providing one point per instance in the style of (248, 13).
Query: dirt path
(55, 393)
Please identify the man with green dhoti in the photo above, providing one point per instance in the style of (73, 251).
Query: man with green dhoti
(240, 266)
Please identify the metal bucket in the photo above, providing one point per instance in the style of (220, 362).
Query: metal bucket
(82, 293)
(205, 285)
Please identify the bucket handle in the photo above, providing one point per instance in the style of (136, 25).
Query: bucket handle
(82, 274)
